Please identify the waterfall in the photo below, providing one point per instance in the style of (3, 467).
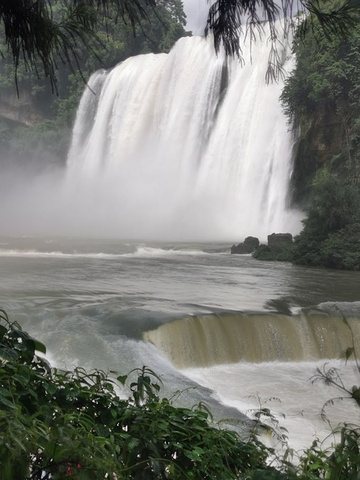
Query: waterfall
(205, 340)
(187, 146)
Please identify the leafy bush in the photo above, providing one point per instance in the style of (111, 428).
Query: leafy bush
(322, 100)
(339, 463)
(55, 424)
(342, 249)
(330, 237)
(283, 254)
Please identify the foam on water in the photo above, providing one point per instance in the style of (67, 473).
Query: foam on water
(288, 391)
(144, 251)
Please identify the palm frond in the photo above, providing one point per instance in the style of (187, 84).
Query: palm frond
(45, 31)
(231, 20)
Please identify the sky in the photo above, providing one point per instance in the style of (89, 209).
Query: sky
(196, 11)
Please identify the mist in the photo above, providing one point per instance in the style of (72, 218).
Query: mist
(185, 146)
(50, 204)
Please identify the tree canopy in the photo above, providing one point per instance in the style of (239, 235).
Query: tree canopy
(231, 20)
(46, 32)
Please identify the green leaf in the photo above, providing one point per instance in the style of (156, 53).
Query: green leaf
(4, 315)
(191, 455)
(40, 347)
(134, 442)
(8, 353)
(3, 331)
(122, 379)
(7, 403)
(50, 388)
(356, 394)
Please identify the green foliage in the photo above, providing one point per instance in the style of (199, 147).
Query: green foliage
(326, 71)
(46, 142)
(342, 249)
(228, 20)
(283, 254)
(330, 236)
(117, 38)
(340, 463)
(322, 99)
(58, 424)
(54, 423)
(45, 31)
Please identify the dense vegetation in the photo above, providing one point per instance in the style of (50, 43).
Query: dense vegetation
(48, 134)
(228, 20)
(55, 424)
(331, 233)
(59, 424)
(322, 98)
(45, 31)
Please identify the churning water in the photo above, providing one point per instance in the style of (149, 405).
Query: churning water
(244, 329)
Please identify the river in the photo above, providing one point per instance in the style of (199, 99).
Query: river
(245, 330)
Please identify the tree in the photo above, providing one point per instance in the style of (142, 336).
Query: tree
(230, 20)
(330, 236)
(49, 31)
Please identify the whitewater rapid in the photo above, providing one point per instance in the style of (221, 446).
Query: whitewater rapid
(208, 316)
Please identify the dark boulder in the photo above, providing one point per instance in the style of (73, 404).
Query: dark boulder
(279, 248)
(279, 241)
(249, 245)
(252, 242)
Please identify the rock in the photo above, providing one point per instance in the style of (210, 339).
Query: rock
(238, 248)
(279, 248)
(252, 242)
(279, 241)
(249, 245)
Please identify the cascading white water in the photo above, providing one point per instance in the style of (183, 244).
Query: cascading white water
(188, 145)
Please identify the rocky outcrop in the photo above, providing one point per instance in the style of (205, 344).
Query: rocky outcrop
(278, 248)
(249, 245)
(277, 241)
(21, 110)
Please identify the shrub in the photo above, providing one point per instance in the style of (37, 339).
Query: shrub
(55, 424)
(330, 236)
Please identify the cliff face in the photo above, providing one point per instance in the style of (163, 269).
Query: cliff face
(21, 110)
(318, 144)
(28, 137)
(322, 99)
(327, 136)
